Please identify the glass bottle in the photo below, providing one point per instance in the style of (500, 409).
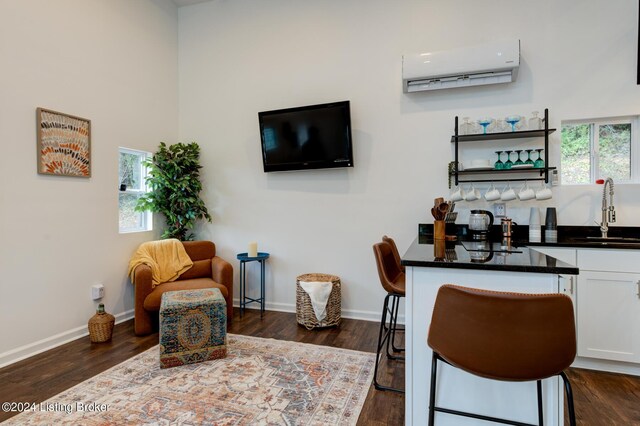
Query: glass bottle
(535, 122)
(465, 127)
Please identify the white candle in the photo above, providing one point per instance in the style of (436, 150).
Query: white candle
(253, 249)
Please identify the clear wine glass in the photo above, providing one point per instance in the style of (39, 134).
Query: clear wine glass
(518, 162)
(512, 119)
(499, 165)
(484, 122)
(539, 163)
(529, 160)
(508, 163)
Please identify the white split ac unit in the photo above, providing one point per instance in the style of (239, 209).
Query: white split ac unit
(489, 63)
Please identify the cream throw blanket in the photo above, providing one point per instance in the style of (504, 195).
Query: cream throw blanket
(167, 259)
(318, 292)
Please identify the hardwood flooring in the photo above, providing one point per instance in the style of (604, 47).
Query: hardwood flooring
(600, 398)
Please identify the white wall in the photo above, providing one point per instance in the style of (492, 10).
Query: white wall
(114, 62)
(239, 58)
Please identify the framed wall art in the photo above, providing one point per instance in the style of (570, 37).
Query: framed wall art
(64, 144)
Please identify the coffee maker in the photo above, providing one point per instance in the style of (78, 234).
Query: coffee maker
(480, 222)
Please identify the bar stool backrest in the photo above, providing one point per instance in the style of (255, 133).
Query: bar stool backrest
(394, 249)
(503, 336)
(391, 277)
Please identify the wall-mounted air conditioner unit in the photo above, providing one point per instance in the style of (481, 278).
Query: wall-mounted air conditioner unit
(489, 63)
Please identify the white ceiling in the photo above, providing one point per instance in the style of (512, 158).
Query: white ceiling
(188, 2)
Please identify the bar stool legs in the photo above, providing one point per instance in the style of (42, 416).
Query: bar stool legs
(433, 408)
(570, 408)
(386, 336)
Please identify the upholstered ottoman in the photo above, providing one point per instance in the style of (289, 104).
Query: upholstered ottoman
(193, 327)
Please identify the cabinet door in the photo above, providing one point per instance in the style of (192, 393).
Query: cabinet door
(609, 315)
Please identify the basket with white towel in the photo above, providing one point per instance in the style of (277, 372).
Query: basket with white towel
(318, 300)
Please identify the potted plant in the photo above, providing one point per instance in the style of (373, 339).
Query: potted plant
(174, 182)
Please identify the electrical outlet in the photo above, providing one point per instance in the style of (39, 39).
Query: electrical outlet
(97, 291)
(500, 209)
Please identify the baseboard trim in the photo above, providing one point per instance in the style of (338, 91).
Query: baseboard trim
(26, 351)
(606, 365)
(346, 313)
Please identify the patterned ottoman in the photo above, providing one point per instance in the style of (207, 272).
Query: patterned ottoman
(193, 327)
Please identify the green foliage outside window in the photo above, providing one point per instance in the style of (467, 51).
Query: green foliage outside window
(610, 146)
(575, 152)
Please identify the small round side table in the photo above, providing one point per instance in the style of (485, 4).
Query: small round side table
(244, 300)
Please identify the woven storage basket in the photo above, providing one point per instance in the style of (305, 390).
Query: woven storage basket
(304, 309)
(101, 327)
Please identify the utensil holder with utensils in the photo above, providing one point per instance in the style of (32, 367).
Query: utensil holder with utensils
(443, 213)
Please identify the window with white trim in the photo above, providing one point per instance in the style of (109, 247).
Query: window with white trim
(132, 185)
(600, 148)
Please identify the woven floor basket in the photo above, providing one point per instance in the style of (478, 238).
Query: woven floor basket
(304, 310)
(101, 327)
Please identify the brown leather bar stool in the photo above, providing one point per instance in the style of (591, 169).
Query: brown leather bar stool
(396, 256)
(502, 336)
(394, 249)
(392, 279)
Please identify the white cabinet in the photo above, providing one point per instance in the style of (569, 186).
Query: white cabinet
(609, 320)
(608, 296)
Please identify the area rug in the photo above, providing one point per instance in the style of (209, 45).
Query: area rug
(261, 382)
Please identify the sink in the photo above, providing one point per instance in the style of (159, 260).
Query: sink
(613, 240)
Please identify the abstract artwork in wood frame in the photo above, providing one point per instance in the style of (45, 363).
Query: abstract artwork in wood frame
(64, 144)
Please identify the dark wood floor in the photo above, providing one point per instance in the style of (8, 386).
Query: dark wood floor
(600, 398)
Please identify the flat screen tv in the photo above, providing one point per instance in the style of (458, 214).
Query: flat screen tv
(308, 137)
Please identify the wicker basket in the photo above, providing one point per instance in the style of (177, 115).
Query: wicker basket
(101, 327)
(304, 309)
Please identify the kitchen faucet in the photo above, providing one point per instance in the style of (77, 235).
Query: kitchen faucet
(608, 212)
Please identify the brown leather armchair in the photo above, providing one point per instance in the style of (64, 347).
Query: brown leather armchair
(208, 271)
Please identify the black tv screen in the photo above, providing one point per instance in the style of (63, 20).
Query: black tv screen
(309, 137)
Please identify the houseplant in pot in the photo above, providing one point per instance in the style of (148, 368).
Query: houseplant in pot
(174, 182)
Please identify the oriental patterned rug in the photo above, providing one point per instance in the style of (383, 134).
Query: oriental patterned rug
(261, 382)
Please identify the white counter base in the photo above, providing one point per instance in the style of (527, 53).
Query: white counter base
(457, 389)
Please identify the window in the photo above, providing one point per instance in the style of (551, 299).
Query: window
(597, 149)
(132, 186)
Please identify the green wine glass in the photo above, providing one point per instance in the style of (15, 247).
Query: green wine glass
(529, 160)
(499, 165)
(539, 163)
(518, 162)
(508, 163)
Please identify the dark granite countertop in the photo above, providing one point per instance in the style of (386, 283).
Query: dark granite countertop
(484, 256)
(620, 237)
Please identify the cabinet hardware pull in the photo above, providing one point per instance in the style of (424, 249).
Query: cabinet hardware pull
(638, 284)
(571, 285)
